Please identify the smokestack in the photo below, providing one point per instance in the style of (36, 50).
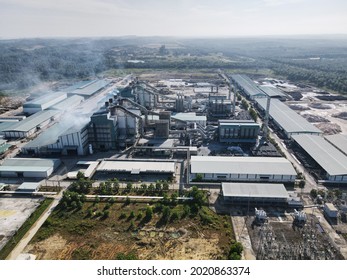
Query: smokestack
(106, 104)
(110, 100)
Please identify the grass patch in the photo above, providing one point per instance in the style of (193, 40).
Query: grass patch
(128, 231)
(7, 249)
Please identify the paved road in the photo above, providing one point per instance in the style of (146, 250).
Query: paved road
(310, 182)
(33, 230)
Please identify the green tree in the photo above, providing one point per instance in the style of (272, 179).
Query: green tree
(244, 104)
(174, 197)
(314, 193)
(149, 213)
(253, 114)
(166, 214)
(235, 251)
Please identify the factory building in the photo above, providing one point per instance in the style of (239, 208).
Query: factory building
(68, 104)
(287, 120)
(332, 162)
(184, 118)
(248, 169)
(249, 88)
(238, 131)
(339, 141)
(44, 102)
(137, 167)
(130, 124)
(60, 139)
(30, 125)
(146, 98)
(273, 92)
(86, 88)
(219, 106)
(103, 130)
(28, 167)
(255, 194)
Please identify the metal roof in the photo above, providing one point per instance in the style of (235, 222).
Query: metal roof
(238, 123)
(6, 125)
(89, 88)
(142, 166)
(31, 162)
(28, 186)
(48, 97)
(250, 87)
(339, 141)
(326, 155)
(52, 134)
(272, 91)
(254, 190)
(241, 165)
(68, 103)
(287, 118)
(191, 117)
(33, 121)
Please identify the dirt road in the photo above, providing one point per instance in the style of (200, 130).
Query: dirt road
(32, 231)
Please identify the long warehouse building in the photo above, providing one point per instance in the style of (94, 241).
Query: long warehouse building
(286, 119)
(339, 141)
(247, 86)
(137, 167)
(30, 125)
(43, 102)
(248, 169)
(60, 139)
(330, 159)
(255, 194)
(28, 167)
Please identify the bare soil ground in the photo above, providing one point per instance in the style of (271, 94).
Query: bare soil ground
(13, 213)
(73, 235)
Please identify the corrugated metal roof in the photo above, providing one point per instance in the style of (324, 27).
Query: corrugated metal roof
(288, 119)
(241, 165)
(28, 186)
(90, 88)
(6, 125)
(31, 162)
(188, 117)
(254, 190)
(339, 141)
(32, 121)
(48, 97)
(68, 103)
(250, 87)
(52, 134)
(272, 91)
(326, 155)
(143, 166)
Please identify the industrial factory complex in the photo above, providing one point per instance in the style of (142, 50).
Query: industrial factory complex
(238, 138)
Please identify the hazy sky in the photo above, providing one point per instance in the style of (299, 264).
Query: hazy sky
(47, 18)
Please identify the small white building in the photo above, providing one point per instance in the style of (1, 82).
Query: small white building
(255, 194)
(330, 210)
(28, 187)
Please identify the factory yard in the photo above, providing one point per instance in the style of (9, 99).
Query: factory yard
(124, 234)
(180, 129)
(14, 211)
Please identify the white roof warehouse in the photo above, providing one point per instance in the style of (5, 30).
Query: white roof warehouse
(250, 169)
